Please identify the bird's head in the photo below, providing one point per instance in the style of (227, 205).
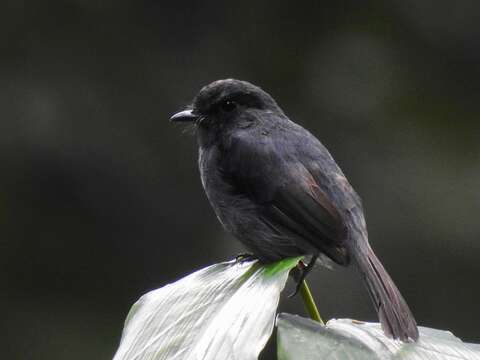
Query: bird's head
(226, 105)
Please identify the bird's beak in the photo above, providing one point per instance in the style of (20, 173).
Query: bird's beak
(184, 116)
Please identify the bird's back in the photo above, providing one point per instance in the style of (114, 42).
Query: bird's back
(257, 175)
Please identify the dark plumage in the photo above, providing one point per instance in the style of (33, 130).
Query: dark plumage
(277, 189)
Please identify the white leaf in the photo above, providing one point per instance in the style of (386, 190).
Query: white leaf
(225, 311)
(301, 339)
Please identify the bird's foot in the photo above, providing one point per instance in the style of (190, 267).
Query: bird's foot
(300, 273)
(244, 257)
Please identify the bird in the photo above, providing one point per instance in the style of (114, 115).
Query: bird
(275, 187)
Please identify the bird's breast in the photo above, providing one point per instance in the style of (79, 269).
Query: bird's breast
(230, 207)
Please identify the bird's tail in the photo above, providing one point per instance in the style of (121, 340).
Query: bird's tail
(393, 312)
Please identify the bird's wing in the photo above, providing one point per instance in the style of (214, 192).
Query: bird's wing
(294, 193)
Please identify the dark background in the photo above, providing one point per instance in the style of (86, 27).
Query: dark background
(100, 198)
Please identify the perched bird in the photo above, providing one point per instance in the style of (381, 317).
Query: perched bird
(277, 189)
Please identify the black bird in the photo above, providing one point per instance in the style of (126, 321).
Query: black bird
(277, 189)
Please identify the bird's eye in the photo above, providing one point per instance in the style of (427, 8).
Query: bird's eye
(228, 105)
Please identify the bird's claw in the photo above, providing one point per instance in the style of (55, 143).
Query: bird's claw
(301, 272)
(244, 257)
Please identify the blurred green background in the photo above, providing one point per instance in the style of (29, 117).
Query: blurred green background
(100, 198)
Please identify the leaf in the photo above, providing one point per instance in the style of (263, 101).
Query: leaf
(224, 311)
(299, 338)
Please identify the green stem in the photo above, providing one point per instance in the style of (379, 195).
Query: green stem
(310, 303)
